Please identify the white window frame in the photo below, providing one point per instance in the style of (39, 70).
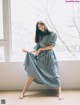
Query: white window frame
(6, 42)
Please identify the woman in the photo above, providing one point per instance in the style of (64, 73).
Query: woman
(41, 64)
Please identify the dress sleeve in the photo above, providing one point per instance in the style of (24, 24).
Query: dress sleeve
(52, 39)
(36, 46)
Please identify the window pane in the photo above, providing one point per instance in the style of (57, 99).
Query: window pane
(25, 14)
(23, 26)
(1, 54)
(1, 21)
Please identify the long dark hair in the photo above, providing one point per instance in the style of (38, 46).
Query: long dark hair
(39, 32)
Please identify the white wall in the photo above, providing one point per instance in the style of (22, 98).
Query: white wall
(13, 76)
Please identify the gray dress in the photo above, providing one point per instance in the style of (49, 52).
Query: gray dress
(44, 67)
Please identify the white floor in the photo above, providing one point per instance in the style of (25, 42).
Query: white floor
(41, 97)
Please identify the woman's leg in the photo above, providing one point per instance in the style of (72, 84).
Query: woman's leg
(60, 94)
(26, 86)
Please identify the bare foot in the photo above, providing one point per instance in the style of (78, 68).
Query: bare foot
(21, 96)
(60, 97)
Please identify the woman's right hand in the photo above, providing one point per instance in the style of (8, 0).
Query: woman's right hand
(24, 50)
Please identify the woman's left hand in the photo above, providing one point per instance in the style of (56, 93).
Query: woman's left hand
(38, 51)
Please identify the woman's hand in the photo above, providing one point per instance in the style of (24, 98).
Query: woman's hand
(33, 51)
(38, 51)
(24, 50)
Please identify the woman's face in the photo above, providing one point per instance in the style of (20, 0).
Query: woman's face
(41, 27)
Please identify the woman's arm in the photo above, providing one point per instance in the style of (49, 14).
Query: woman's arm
(46, 48)
(33, 51)
(24, 50)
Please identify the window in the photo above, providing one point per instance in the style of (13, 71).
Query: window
(5, 30)
(60, 16)
(1, 21)
(23, 26)
(18, 22)
(1, 33)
